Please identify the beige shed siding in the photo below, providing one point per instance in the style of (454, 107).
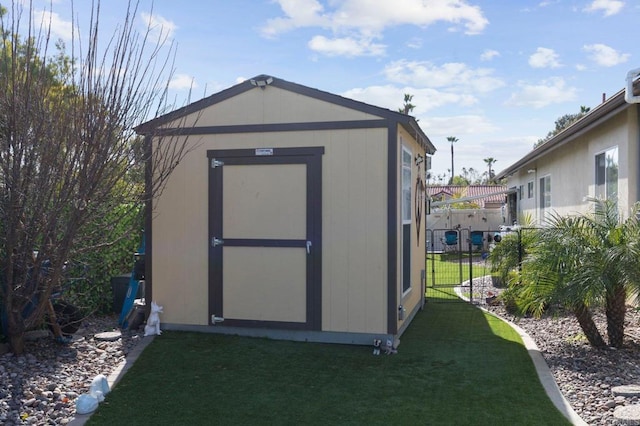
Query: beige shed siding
(354, 233)
(272, 105)
(180, 244)
(354, 224)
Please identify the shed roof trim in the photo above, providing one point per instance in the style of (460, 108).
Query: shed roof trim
(408, 122)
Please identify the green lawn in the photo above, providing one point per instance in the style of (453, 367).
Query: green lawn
(448, 268)
(456, 366)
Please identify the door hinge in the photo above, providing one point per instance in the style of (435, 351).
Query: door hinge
(215, 320)
(216, 163)
(216, 242)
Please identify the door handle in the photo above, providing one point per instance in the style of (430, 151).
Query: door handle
(308, 247)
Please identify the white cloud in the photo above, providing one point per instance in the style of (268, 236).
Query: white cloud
(425, 99)
(364, 20)
(489, 54)
(471, 124)
(59, 27)
(551, 91)
(375, 15)
(544, 58)
(452, 75)
(161, 29)
(604, 55)
(182, 81)
(298, 14)
(610, 7)
(415, 43)
(346, 46)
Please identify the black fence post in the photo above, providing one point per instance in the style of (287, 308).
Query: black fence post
(470, 267)
(520, 255)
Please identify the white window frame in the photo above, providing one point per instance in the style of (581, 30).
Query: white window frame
(406, 216)
(545, 196)
(602, 188)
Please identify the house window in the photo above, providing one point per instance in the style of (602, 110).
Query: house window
(607, 174)
(520, 196)
(545, 197)
(530, 189)
(406, 219)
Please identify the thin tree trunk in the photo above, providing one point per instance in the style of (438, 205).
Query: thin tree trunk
(585, 319)
(615, 310)
(15, 331)
(17, 344)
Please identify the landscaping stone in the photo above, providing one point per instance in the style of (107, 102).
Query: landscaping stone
(626, 390)
(108, 336)
(586, 376)
(627, 415)
(42, 386)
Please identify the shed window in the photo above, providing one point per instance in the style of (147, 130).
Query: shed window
(406, 185)
(406, 219)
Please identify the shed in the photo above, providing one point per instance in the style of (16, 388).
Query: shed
(296, 214)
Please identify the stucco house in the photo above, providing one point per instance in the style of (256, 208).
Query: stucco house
(597, 156)
(296, 215)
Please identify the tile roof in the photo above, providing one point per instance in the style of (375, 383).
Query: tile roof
(437, 191)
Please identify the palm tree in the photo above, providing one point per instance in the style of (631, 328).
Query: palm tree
(490, 161)
(586, 261)
(453, 140)
(407, 107)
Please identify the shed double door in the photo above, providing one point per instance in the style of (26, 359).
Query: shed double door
(265, 245)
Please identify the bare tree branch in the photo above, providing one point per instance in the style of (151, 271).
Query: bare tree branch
(68, 153)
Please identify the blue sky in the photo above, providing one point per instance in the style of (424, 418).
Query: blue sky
(496, 74)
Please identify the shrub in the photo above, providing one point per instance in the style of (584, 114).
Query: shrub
(93, 292)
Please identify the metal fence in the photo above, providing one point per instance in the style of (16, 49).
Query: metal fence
(453, 258)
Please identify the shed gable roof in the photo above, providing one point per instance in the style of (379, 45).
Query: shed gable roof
(262, 81)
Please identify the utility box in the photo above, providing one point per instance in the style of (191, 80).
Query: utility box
(119, 288)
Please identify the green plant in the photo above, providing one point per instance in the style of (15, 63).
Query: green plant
(94, 293)
(586, 261)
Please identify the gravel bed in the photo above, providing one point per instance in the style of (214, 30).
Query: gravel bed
(41, 386)
(585, 375)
